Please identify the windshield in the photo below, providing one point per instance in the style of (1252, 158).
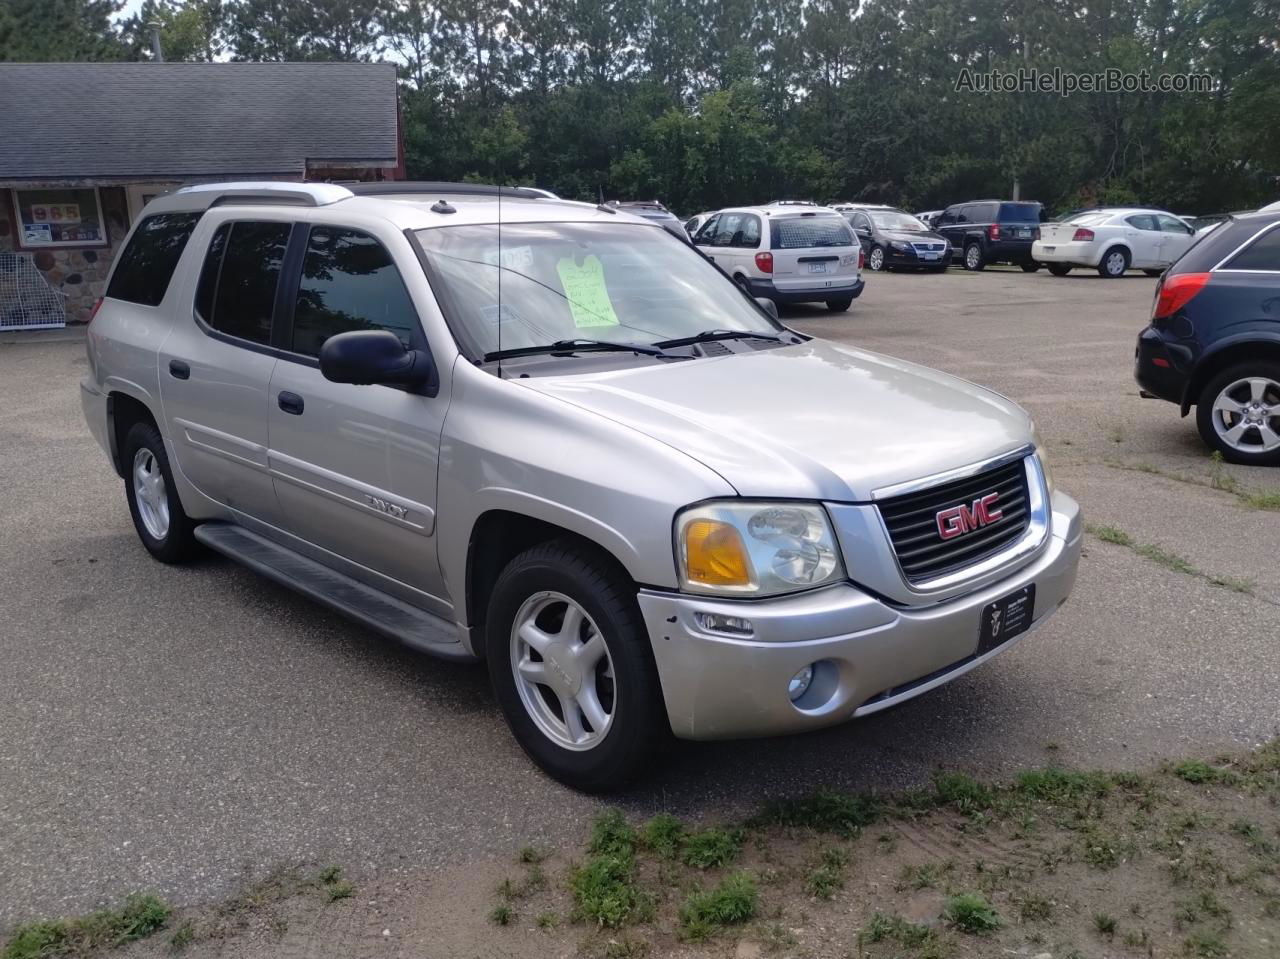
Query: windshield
(622, 283)
(897, 220)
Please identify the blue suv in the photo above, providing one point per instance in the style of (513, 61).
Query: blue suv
(1214, 338)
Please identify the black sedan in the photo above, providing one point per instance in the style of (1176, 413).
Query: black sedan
(893, 239)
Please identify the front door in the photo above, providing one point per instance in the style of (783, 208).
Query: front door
(1144, 240)
(355, 466)
(215, 370)
(1176, 238)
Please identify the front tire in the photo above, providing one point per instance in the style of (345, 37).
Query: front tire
(875, 259)
(1114, 263)
(1059, 269)
(1029, 267)
(158, 516)
(840, 305)
(973, 259)
(571, 666)
(1238, 413)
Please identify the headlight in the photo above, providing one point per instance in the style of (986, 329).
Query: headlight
(755, 549)
(900, 245)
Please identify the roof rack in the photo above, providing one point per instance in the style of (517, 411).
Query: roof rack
(404, 187)
(267, 191)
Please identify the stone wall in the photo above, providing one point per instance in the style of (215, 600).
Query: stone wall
(79, 274)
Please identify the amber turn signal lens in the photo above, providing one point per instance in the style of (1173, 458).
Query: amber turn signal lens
(714, 554)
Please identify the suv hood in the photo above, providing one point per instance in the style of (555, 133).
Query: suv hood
(811, 421)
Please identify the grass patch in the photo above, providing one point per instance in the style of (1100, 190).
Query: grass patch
(842, 814)
(532, 855)
(339, 890)
(732, 902)
(1111, 534)
(139, 917)
(547, 920)
(962, 791)
(712, 848)
(925, 876)
(183, 936)
(502, 914)
(1163, 557)
(1032, 908)
(970, 912)
(604, 888)
(664, 834)
(828, 876)
(1206, 943)
(1199, 772)
(1105, 924)
(1263, 499)
(893, 928)
(626, 948)
(1062, 786)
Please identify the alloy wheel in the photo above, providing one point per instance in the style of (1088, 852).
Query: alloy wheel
(1246, 415)
(972, 257)
(876, 262)
(563, 671)
(150, 494)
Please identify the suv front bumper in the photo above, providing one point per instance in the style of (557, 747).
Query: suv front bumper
(875, 655)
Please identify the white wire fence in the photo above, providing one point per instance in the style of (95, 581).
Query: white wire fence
(27, 301)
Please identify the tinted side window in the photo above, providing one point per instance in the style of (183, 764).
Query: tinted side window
(349, 282)
(1262, 254)
(209, 272)
(1169, 224)
(948, 216)
(750, 230)
(246, 290)
(862, 222)
(1143, 221)
(727, 226)
(147, 263)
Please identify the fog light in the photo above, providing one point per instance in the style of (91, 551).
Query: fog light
(799, 684)
(719, 623)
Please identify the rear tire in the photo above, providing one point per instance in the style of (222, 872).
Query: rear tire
(1029, 267)
(1114, 263)
(549, 707)
(839, 306)
(1244, 392)
(162, 524)
(973, 259)
(1059, 269)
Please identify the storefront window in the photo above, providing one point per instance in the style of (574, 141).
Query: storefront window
(53, 218)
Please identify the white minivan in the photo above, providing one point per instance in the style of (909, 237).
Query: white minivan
(786, 253)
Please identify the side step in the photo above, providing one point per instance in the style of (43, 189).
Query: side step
(368, 606)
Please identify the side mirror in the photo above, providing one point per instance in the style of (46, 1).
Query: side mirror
(366, 357)
(767, 305)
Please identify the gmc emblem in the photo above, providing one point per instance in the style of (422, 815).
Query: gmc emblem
(957, 520)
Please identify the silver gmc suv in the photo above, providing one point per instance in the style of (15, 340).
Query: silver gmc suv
(551, 436)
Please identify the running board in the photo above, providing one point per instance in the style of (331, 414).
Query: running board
(368, 606)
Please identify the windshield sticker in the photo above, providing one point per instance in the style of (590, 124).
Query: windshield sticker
(585, 290)
(513, 257)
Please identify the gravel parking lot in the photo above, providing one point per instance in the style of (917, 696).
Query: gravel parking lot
(171, 729)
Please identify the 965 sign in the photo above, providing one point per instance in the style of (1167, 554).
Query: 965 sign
(55, 213)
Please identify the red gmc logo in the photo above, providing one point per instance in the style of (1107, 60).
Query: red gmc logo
(957, 520)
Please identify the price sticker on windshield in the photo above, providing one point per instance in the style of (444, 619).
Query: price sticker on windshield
(586, 292)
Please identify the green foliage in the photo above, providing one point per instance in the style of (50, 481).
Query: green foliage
(712, 848)
(1198, 771)
(828, 876)
(664, 834)
(732, 902)
(894, 928)
(604, 888)
(962, 791)
(1111, 534)
(139, 917)
(970, 912)
(1061, 786)
(843, 814)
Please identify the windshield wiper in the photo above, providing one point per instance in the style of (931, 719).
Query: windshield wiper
(706, 335)
(573, 346)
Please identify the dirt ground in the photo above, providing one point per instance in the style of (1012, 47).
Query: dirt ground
(1179, 861)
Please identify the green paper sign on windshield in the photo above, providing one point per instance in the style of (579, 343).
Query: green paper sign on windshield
(584, 287)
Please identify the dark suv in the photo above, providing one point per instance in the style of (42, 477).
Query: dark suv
(992, 231)
(1214, 338)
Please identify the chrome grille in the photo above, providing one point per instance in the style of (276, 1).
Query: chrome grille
(912, 522)
(929, 247)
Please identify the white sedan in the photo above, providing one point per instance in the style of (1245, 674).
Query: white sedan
(1113, 241)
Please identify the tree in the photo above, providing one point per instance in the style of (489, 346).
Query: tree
(42, 30)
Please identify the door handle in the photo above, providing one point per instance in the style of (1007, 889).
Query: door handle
(290, 402)
(179, 370)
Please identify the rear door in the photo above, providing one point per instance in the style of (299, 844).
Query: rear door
(216, 368)
(1143, 237)
(812, 251)
(1176, 238)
